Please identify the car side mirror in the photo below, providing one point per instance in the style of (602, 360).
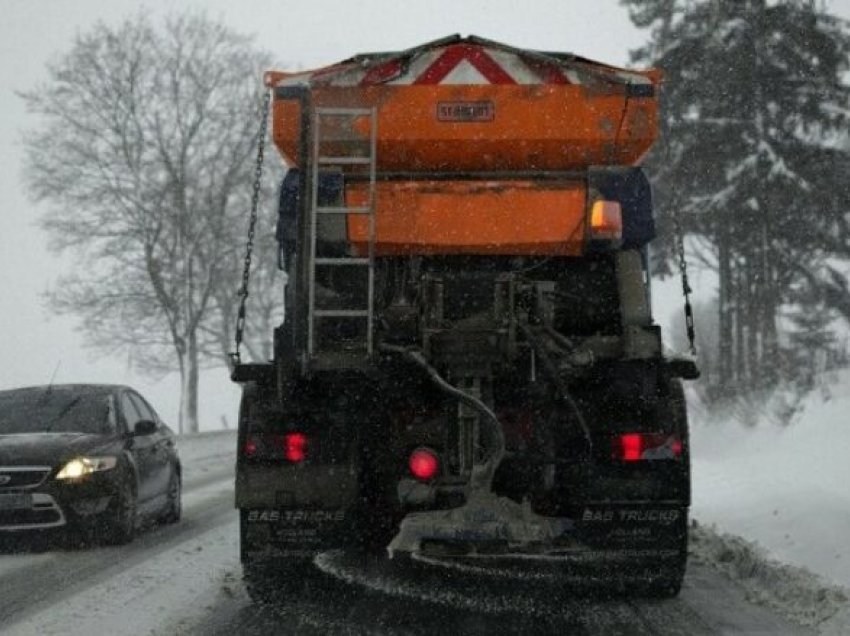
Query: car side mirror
(144, 427)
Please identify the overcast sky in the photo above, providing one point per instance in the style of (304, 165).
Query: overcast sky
(304, 33)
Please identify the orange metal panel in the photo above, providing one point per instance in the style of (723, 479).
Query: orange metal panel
(472, 217)
(640, 122)
(522, 127)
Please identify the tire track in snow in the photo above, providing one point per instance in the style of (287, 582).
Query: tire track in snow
(352, 594)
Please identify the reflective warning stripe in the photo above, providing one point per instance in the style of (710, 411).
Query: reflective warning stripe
(382, 73)
(463, 63)
(548, 73)
(454, 55)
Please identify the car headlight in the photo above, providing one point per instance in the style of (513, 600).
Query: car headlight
(82, 466)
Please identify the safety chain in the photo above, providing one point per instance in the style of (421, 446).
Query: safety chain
(679, 238)
(249, 247)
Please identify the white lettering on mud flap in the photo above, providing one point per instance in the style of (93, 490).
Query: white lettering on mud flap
(645, 553)
(597, 516)
(295, 516)
(663, 517)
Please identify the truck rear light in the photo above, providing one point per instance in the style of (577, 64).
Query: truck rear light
(423, 464)
(606, 221)
(633, 447)
(291, 447)
(295, 447)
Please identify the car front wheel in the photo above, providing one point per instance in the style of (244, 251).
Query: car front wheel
(173, 507)
(122, 526)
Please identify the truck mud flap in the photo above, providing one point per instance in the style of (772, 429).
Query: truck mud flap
(293, 532)
(633, 531)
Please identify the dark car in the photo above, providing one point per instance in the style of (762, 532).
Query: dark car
(89, 458)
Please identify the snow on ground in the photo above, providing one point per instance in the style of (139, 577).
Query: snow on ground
(158, 596)
(786, 490)
(795, 593)
(205, 452)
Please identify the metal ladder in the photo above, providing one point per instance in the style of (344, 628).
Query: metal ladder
(366, 310)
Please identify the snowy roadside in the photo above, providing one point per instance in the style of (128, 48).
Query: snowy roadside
(159, 596)
(205, 455)
(202, 453)
(795, 593)
(784, 489)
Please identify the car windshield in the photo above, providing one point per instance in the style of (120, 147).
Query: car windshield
(53, 410)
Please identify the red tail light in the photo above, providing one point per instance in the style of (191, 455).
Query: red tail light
(633, 447)
(295, 447)
(423, 464)
(291, 447)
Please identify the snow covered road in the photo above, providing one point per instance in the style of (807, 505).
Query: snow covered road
(350, 596)
(185, 579)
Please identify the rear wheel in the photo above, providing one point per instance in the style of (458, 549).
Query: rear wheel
(668, 585)
(272, 580)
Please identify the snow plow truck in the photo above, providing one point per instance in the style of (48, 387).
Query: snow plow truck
(468, 367)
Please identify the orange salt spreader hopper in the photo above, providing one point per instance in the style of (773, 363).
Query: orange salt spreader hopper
(480, 148)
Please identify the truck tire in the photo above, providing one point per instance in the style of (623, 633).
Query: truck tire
(666, 587)
(121, 528)
(271, 581)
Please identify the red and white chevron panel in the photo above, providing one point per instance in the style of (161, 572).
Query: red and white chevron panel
(459, 63)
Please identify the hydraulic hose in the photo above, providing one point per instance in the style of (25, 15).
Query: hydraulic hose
(563, 391)
(495, 455)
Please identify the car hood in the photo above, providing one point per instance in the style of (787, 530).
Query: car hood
(47, 449)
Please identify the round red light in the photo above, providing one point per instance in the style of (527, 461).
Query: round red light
(251, 447)
(423, 464)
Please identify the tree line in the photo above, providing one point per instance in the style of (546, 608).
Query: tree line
(752, 160)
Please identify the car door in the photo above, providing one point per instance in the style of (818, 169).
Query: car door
(160, 460)
(141, 447)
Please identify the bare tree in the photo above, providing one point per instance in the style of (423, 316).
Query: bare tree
(145, 152)
(264, 305)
